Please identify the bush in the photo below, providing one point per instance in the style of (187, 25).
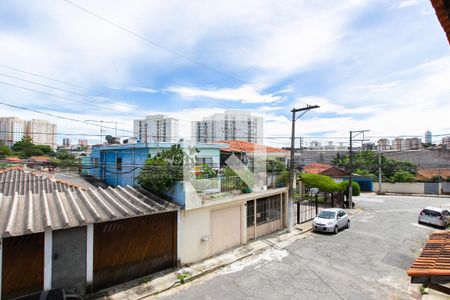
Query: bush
(356, 189)
(403, 176)
(324, 183)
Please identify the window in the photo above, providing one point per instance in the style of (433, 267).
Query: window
(95, 162)
(119, 163)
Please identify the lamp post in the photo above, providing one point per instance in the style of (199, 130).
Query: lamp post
(290, 211)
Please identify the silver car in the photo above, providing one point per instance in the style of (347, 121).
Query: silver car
(434, 216)
(331, 220)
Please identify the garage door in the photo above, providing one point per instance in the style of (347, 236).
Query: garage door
(128, 249)
(23, 265)
(225, 229)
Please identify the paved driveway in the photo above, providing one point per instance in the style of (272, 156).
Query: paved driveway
(367, 261)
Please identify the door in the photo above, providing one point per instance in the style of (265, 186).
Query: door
(23, 265)
(225, 229)
(132, 248)
(342, 221)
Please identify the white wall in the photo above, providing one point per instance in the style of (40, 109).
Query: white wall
(402, 187)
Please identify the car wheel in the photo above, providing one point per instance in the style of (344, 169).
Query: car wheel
(348, 224)
(336, 229)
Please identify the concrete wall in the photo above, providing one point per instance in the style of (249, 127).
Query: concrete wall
(402, 187)
(194, 235)
(69, 259)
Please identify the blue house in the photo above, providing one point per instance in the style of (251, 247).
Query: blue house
(121, 164)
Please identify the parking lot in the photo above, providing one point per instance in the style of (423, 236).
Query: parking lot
(367, 261)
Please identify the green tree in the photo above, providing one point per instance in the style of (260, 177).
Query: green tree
(403, 176)
(4, 150)
(356, 189)
(25, 148)
(161, 171)
(324, 183)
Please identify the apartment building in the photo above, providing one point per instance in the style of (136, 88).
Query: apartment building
(156, 128)
(384, 144)
(12, 130)
(428, 137)
(230, 125)
(42, 132)
(446, 142)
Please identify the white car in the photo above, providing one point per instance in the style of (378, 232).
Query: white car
(434, 216)
(331, 220)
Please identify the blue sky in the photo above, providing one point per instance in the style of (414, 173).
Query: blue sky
(378, 65)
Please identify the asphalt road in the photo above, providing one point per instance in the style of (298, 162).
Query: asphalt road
(367, 261)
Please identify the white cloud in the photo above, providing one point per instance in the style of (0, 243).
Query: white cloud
(376, 87)
(243, 94)
(327, 106)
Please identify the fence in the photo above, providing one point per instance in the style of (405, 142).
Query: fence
(431, 188)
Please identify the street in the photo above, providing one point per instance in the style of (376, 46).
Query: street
(367, 261)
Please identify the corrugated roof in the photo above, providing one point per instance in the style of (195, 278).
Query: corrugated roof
(435, 257)
(244, 146)
(32, 213)
(18, 180)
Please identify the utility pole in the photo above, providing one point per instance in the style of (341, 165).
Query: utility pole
(353, 134)
(380, 192)
(290, 210)
(101, 127)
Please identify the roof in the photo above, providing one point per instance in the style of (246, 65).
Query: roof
(433, 264)
(435, 208)
(13, 159)
(442, 8)
(332, 209)
(429, 173)
(325, 169)
(33, 213)
(40, 158)
(244, 146)
(21, 181)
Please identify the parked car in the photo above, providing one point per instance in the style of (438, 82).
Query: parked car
(331, 220)
(55, 294)
(434, 216)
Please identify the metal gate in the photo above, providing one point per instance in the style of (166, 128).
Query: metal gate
(23, 265)
(432, 188)
(306, 210)
(445, 188)
(128, 249)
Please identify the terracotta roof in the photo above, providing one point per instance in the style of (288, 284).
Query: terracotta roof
(316, 168)
(13, 159)
(243, 146)
(32, 213)
(40, 158)
(442, 8)
(428, 173)
(434, 259)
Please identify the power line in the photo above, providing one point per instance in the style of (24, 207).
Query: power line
(158, 45)
(60, 117)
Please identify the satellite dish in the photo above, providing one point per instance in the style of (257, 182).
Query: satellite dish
(111, 140)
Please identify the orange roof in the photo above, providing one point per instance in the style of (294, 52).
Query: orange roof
(13, 159)
(40, 158)
(442, 8)
(434, 259)
(316, 168)
(243, 146)
(428, 173)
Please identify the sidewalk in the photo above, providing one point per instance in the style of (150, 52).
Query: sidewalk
(163, 281)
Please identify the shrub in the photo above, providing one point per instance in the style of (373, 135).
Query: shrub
(403, 176)
(356, 189)
(324, 183)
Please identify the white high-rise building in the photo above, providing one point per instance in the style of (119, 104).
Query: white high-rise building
(428, 137)
(231, 125)
(156, 128)
(42, 132)
(12, 130)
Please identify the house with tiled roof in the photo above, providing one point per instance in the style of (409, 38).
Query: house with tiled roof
(325, 169)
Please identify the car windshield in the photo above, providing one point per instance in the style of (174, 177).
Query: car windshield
(327, 214)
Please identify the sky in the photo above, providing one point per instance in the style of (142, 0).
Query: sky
(379, 65)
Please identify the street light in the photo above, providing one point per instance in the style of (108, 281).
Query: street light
(304, 110)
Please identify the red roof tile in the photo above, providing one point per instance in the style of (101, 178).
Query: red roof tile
(243, 146)
(435, 257)
(316, 168)
(13, 159)
(442, 8)
(40, 158)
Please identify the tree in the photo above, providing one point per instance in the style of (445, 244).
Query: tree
(275, 166)
(324, 183)
(4, 150)
(25, 148)
(403, 176)
(356, 189)
(161, 171)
